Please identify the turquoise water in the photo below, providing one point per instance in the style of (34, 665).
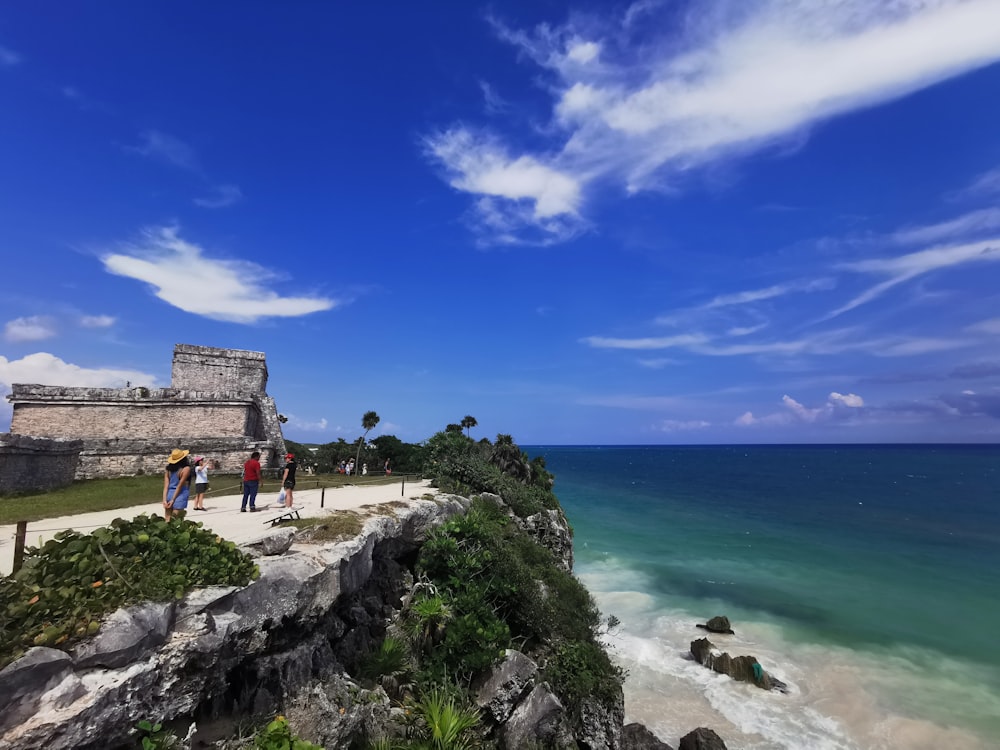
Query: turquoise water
(867, 577)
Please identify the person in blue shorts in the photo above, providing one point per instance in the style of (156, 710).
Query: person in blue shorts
(176, 484)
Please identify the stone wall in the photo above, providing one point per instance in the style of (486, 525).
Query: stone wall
(30, 464)
(216, 407)
(204, 368)
(64, 412)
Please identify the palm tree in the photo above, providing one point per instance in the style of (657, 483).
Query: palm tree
(368, 421)
(468, 422)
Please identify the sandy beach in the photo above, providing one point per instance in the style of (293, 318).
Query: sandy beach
(222, 515)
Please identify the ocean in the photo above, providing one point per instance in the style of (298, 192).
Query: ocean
(865, 577)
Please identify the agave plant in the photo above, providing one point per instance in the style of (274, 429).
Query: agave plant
(447, 722)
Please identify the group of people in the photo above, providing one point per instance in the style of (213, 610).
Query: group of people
(182, 469)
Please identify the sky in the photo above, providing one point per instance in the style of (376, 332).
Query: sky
(665, 222)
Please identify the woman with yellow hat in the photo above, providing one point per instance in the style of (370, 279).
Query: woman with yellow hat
(176, 484)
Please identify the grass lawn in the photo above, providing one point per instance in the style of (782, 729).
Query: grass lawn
(110, 494)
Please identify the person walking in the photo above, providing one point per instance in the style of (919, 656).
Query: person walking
(288, 478)
(176, 484)
(200, 483)
(251, 482)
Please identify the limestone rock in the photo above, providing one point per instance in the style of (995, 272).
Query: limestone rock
(539, 720)
(719, 624)
(637, 737)
(126, 636)
(600, 724)
(23, 682)
(505, 685)
(701, 739)
(275, 543)
(741, 668)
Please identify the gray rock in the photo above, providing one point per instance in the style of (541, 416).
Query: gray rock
(718, 624)
(539, 720)
(277, 542)
(23, 682)
(126, 636)
(741, 668)
(702, 739)
(506, 685)
(637, 737)
(600, 724)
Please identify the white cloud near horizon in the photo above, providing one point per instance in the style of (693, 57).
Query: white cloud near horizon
(838, 406)
(740, 77)
(32, 328)
(222, 197)
(229, 290)
(43, 368)
(318, 425)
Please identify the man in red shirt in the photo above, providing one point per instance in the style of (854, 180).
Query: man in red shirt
(251, 482)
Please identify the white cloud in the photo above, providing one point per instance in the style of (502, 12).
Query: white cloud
(777, 290)
(34, 328)
(658, 342)
(480, 165)
(905, 267)
(97, 321)
(230, 290)
(990, 326)
(674, 425)
(306, 425)
(637, 108)
(162, 147)
(986, 184)
(974, 222)
(849, 399)
(495, 104)
(657, 363)
(8, 57)
(223, 196)
(43, 368)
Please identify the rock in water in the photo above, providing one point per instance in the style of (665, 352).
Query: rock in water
(718, 624)
(702, 739)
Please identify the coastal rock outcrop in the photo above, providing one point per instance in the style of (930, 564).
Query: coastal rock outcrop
(638, 737)
(741, 668)
(701, 739)
(719, 624)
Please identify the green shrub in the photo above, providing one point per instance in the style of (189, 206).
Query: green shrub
(580, 669)
(278, 736)
(66, 586)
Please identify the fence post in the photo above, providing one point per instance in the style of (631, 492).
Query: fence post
(322, 496)
(22, 532)
(402, 487)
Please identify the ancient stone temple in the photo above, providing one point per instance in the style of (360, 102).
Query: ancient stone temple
(216, 406)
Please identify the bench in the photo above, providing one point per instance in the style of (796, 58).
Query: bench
(287, 514)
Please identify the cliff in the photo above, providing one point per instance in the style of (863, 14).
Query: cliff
(292, 641)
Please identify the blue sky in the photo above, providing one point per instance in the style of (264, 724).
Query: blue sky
(734, 221)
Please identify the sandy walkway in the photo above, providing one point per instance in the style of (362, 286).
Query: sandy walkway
(223, 515)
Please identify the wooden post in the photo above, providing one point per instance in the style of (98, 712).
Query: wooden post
(22, 532)
(322, 496)
(402, 487)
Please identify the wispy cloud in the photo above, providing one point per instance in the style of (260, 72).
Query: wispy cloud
(776, 290)
(984, 185)
(306, 425)
(975, 222)
(223, 196)
(230, 290)
(636, 110)
(839, 406)
(686, 340)
(8, 57)
(97, 321)
(641, 403)
(902, 268)
(495, 104)
(33, 328)
(166, 149)
(677, 425)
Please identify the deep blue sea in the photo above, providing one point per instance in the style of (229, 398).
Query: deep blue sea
(866, 577)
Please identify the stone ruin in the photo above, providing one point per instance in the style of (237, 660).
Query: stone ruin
(216, 406)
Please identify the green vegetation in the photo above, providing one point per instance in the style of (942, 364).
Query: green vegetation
(484, 586)
(73, 580)
(344, 524)
(278, 736)
(83, 497)
(155, 737)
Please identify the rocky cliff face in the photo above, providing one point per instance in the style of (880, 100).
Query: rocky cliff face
(287, 642)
